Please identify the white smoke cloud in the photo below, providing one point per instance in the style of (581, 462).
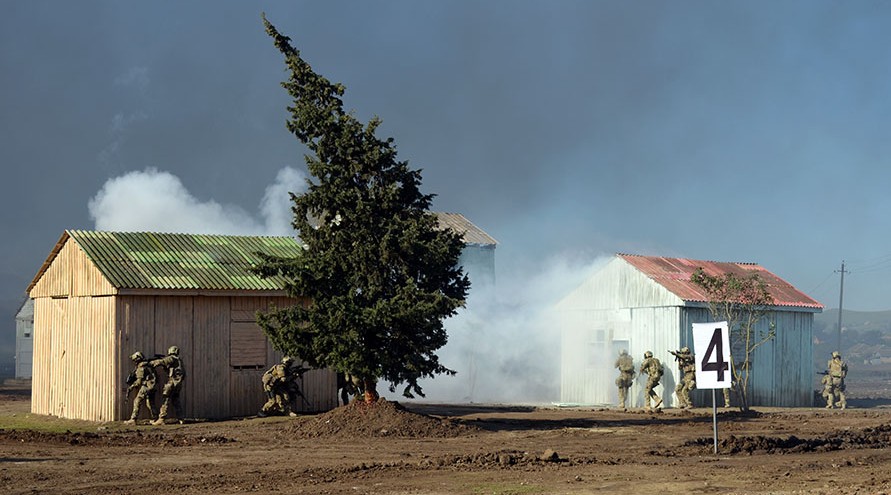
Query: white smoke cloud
(157, 201)
(276, 204)
(507, 350)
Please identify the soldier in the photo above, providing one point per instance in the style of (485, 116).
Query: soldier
(278, 383)
(625, 366)
(653, 368)
(828, 393)
(838, 370)
(143, 381)
(726, 393)
(688, 381)
(348, 385)
(173, 364)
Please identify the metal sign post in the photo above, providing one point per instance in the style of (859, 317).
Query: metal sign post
(713, 363)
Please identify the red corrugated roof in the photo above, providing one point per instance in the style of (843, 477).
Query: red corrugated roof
(674, 274)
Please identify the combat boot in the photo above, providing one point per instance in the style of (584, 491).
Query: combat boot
(130, 422)
(159, 421)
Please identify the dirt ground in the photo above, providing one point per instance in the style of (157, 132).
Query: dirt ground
(456, 449)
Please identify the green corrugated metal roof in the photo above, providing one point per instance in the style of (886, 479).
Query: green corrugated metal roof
(147, 260)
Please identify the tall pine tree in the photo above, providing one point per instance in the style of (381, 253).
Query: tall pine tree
(380, 274)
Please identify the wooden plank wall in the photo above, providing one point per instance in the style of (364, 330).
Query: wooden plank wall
(71, 274)
(83, 346)
(210, 379)
(74, 358)
(135, 332)
(45, 316)
(216, 385)
(174, 325)
(319, 386)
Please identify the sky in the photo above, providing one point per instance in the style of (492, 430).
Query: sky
(568, 130)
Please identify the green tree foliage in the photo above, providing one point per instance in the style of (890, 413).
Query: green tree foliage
(743, 302)
(379, 274)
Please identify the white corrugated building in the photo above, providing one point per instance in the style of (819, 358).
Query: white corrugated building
(642, 303)
(24, 340)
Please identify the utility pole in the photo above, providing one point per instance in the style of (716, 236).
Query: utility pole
(841, 298)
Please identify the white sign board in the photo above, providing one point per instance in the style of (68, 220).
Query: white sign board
(711, 352)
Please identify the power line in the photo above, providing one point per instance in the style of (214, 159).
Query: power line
(814, 290)
(872, 264)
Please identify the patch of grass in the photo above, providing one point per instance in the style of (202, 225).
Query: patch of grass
(506, 489)
(48, 424)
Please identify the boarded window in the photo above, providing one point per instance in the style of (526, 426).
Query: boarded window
(247, 348)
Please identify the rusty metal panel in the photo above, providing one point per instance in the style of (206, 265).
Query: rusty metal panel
(674, 274)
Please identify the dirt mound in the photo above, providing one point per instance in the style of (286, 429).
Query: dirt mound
(381, 419)
(110, 439)
(866, 438)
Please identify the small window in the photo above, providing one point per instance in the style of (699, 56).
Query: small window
(27, 335)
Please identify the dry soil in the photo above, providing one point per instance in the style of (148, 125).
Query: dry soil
(463, 449)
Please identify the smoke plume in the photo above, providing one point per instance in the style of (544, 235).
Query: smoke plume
(506, 349)
(157, 201)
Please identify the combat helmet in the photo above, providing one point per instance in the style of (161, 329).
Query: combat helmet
(835, 354)
(287, 360)
(137, 356)
(174, 350)
(648, 354)
(685, 349)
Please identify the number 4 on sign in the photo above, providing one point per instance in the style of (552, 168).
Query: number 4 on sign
(715, 350)
(712, 365)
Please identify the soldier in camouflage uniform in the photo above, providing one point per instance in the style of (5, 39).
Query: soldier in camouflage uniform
(653, 369)
(143, 381)
(838, 370)
(277, 383)
(625, 365)
(173, 365)
(828, 392)
(688, 381)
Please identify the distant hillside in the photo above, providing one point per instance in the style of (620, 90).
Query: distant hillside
(855, 320)
(865, 337)
(865, 345)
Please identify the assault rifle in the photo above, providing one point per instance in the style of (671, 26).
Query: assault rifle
(678, 355)
(292, 386)
(822, 372)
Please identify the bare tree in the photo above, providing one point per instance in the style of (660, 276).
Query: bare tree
(743, 302)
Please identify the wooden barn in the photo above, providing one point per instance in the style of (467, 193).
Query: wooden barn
(648, 303)
(100, 296)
